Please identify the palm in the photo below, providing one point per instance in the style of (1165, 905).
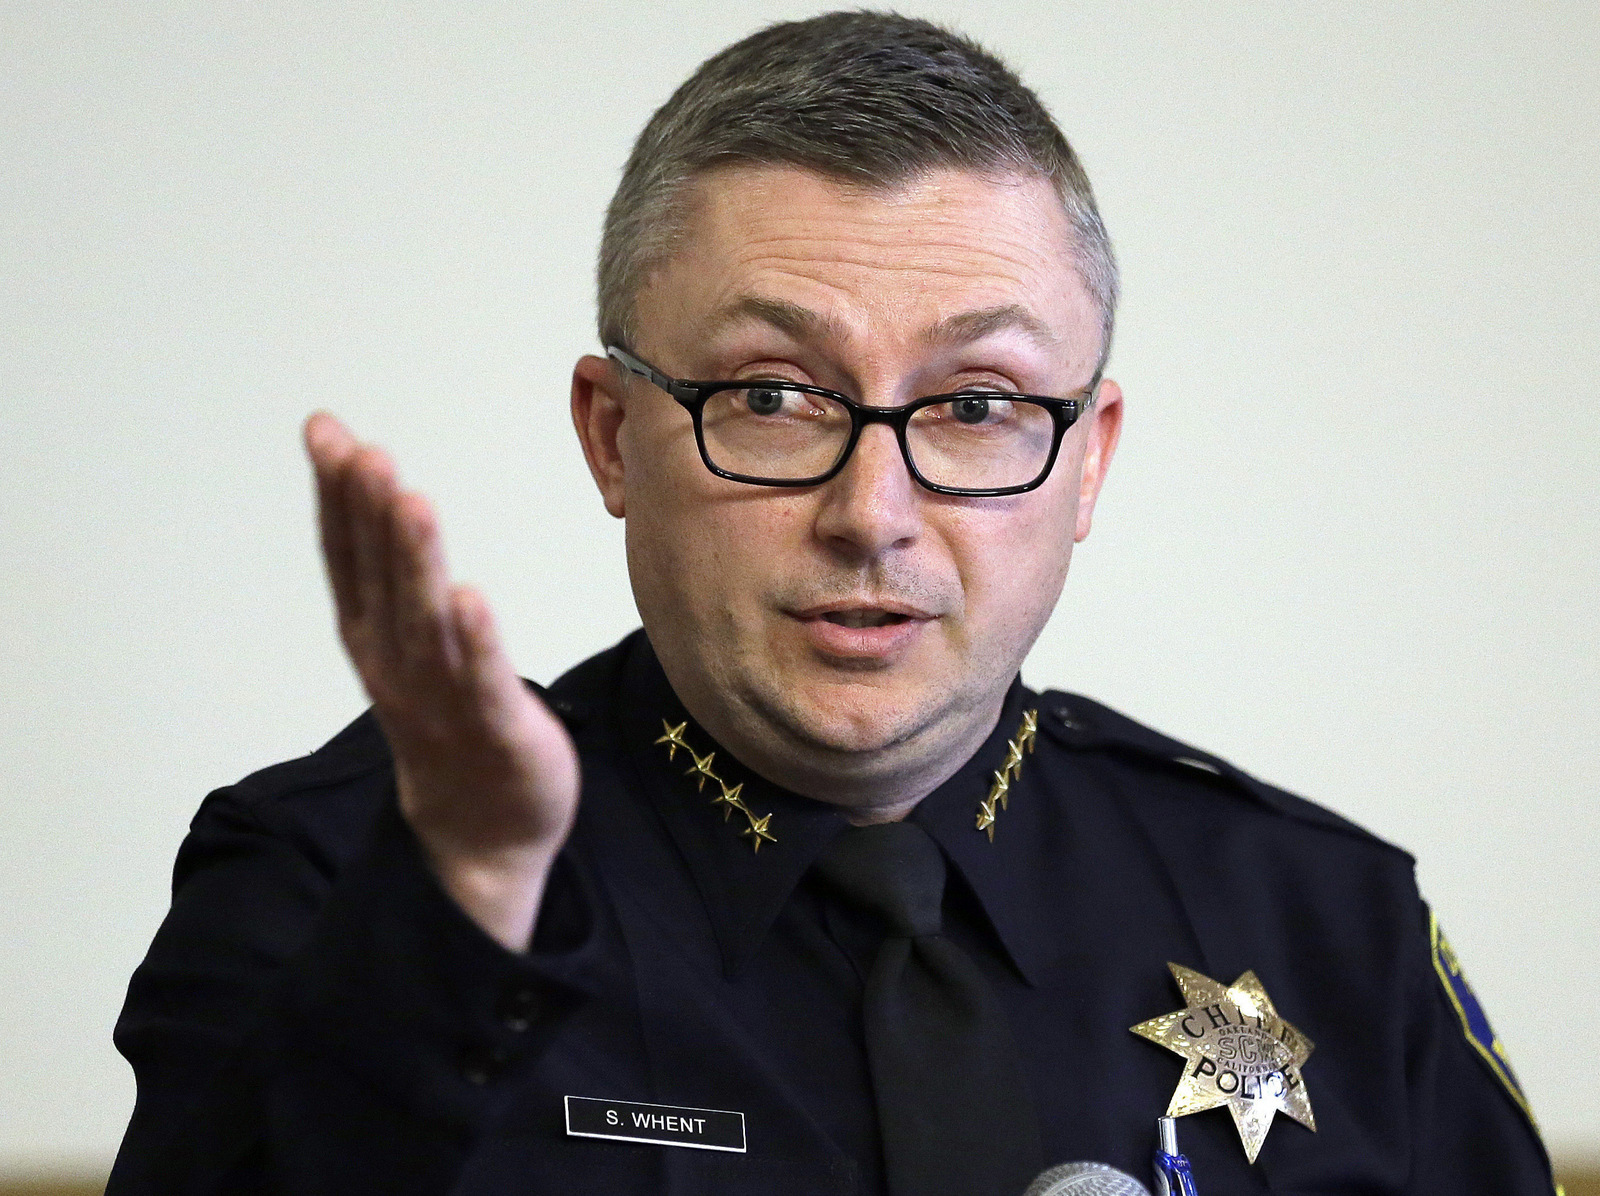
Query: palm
(487, 775)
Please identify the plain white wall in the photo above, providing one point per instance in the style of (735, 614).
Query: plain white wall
(1350, 541)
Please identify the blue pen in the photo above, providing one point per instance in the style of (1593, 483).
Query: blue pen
(1173, 1177)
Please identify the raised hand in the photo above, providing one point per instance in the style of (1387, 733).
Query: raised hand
(487, 775)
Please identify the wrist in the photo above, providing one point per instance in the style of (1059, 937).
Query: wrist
(501, 890)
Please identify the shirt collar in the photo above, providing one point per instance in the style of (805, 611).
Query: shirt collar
(743, 890)
(1020, 876)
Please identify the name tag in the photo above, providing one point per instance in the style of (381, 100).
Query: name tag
(661, 1125)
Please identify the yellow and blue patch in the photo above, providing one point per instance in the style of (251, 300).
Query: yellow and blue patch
(1474, 1022)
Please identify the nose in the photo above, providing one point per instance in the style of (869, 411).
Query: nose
(873, 504)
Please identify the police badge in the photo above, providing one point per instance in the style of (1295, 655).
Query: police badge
(1237, 1052)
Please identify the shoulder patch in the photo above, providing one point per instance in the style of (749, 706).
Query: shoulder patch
(1474, 1022)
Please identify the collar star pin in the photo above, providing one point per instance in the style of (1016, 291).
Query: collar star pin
(1237, 1052)
(727, 795)
(1000, 788)
(674, 738)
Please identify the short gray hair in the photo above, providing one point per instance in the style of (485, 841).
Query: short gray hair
(872, 99)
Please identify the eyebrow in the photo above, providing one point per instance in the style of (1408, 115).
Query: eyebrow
(802, 323)
(974, 325)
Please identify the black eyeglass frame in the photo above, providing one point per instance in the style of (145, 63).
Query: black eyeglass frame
(693, 396)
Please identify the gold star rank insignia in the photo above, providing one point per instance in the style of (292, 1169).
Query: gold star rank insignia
(727, 796)
(757, 832)
(674, 738)
(701, 771)
(986, 817)
(1013, 764)
(1237, 1052)
(729, 800)
(1000, 789)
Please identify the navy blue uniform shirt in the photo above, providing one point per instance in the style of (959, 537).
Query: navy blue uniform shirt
(316, 1016)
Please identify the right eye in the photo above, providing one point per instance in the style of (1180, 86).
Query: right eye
(764, 400)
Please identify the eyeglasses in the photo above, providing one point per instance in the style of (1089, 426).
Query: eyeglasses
(773, 433)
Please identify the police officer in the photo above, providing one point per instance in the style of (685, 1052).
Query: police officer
(799, 889)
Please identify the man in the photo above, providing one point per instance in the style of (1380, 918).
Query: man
(799, 889)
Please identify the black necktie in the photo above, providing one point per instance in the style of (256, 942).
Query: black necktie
(955, 1111)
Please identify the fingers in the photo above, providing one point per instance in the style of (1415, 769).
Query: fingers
(356, 495)
(424, 623)
(370, 482)
(484, 666)
(386, 565)
(330, 445)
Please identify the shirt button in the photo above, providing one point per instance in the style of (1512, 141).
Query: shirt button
(518, 1009)
(480, 1064)
(1065, 716)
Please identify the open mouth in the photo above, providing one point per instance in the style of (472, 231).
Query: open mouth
(862, 632)
(864, 618)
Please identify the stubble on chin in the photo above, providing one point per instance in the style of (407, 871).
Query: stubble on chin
(854, 723)
(825, 725)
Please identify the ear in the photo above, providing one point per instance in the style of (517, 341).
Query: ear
(1105, 428)
(598, 409)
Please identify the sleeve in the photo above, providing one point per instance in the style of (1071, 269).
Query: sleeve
(1474, 1129)
(309, 1026)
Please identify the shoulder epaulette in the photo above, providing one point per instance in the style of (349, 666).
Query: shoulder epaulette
(585, 690)
(361, 748)
(1083, 724)
(357, 749)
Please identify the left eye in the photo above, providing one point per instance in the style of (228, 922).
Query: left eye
(975, 409)
(970, 409)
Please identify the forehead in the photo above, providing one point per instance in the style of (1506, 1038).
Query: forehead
(947, 255)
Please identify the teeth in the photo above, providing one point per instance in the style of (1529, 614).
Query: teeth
(862, 618)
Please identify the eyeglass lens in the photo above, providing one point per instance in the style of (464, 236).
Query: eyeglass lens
(974, 441)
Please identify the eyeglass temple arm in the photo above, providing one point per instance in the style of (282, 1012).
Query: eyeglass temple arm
(1091, 393)
(636, 365)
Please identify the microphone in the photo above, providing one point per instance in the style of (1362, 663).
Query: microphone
(1085, 1179)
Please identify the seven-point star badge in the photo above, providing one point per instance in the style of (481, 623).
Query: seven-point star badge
(1237, 1052)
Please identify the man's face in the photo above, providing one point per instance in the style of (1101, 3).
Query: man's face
(844, 634)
